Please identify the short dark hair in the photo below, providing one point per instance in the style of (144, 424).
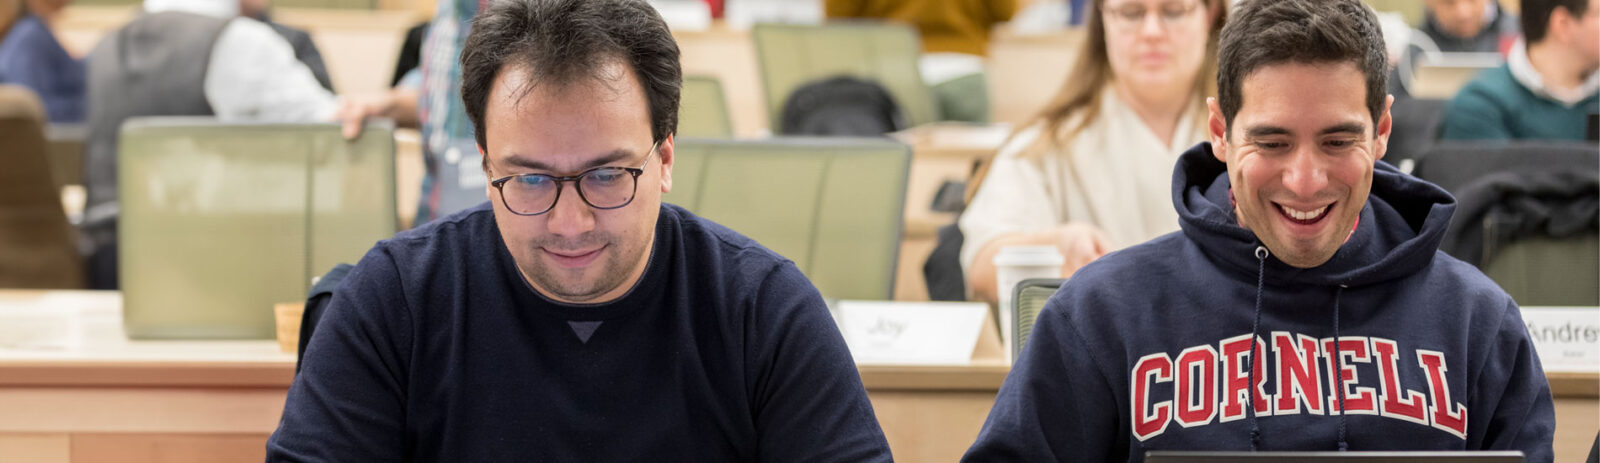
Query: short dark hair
(1267, 32)
(1536, 16)
(560, 42)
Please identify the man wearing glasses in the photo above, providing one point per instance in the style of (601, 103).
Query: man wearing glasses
(574, 317)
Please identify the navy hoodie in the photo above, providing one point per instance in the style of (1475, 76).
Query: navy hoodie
(1145, 348)
(434, 348)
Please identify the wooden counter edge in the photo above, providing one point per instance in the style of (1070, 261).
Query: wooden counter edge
(1574, 384)
(163, 374)
(980, 377)
(983, 376)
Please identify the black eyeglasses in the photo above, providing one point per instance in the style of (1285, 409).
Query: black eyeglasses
(602, 188)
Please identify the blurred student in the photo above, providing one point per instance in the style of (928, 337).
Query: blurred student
(1091, 173)
(188, 58)
(1548, 87)
(1455, 26)
(31, 57)
(1468, 26)
(305, 50)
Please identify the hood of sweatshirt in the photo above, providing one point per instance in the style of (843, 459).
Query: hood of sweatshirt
(1400, 227)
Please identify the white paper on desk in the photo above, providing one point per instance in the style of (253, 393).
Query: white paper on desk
(911, 333)
(1567, 338)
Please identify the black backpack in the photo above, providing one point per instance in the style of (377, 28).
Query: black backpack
(840, 106)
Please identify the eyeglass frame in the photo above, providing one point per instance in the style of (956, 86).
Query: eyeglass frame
(499, 185)
(1117, 19)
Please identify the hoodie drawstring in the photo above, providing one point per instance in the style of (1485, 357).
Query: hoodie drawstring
(1250, 361)
(1338, 367)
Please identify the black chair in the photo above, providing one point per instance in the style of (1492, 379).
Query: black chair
(1416, 128)
(1528, 215)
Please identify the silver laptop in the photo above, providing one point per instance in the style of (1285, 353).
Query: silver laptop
(1441, 75)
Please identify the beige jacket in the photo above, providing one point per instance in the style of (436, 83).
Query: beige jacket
(1114, 175)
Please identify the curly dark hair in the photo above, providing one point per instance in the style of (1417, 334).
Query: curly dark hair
(564, 41)
(1266, 32)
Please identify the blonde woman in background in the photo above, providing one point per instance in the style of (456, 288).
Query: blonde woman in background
(1093, 172)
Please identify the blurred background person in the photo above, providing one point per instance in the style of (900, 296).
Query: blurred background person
(305, 50)
(1468, 26)
(31, 56)
(1548, 87)
(1093, 172)
(446, 130)
(1454, 26)
(955, 38)
(189, 58)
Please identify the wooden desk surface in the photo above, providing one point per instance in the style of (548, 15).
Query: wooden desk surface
(103, 356)
(106, 398)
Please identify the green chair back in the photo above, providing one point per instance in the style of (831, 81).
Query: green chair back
(221, 221)
(702, 109)
(793, 55)
(834, 206)
(1549, 272)
(1027, 300)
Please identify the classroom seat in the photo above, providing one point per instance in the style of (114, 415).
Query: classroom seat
(1537, 269)
(37, 241)
(702, 109)
(219, 221)
(1415, 129)
(792, 55)
(1027, 300)
(833, 206)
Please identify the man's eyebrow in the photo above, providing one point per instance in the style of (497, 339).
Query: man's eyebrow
(1264, 130)
(516, 160)
(1269, 130)
(1355, 128)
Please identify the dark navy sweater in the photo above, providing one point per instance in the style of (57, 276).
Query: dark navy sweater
(435, 349)
(1145, 348)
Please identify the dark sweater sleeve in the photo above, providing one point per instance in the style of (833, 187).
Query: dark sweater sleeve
(1055, 404)
(1512, 390)
(808, 401)
(348, 401)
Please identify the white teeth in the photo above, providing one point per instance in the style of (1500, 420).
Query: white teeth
(1303, 215)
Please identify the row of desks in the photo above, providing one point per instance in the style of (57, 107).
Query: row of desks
(107, 399)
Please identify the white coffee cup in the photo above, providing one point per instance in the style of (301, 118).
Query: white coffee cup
(1012, 265)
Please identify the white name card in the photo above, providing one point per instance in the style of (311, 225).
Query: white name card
(911, 333)
(1567, 338)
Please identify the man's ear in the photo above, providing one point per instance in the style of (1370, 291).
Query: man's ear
(1217, 130)
(1561, 23)
(1384, 129)
(488, 175)
(665, 150)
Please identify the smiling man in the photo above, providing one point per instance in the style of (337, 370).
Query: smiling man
(1303, 306)
(574, 317)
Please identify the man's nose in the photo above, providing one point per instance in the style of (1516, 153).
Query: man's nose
(1306, 174)
(570, 216)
